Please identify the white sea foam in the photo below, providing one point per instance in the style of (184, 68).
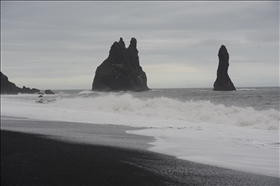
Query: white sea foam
(167, 108)
(201, 131)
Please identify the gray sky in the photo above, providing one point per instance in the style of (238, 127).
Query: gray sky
(59, 45)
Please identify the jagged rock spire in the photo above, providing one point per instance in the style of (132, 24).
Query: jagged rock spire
(121, 70)
(121, 42)
(223, 81)
(133, 43)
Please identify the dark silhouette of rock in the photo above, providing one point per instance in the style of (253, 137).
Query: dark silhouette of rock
(48, 92)
(27, 90)
(40, 101)
(223, 81)
(121, 71)
(8, 87)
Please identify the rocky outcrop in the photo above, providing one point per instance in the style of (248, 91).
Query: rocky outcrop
(27, 90)
(48, 92)
(223, 81)
(8, 87)
(121, 71)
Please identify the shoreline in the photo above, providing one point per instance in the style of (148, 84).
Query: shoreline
(81, 133)
(38, 152)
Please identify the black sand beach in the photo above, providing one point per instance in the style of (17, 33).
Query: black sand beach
(64, 153)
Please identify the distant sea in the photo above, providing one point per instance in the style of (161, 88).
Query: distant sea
(232, 129)
(259, 98)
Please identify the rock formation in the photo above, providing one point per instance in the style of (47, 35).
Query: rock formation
(121, 71)
(48, 92)
(223, 81)
(28, 90)
(8, 87)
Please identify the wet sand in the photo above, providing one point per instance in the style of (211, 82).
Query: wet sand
(37, 152)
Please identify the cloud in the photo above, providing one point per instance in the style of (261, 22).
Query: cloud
(70, 39)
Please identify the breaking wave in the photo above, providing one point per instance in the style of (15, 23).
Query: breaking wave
(168, 108)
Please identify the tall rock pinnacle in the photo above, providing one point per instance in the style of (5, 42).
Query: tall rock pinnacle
(121, 71)
(223, 81)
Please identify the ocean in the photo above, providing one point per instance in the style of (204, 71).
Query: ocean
(236, 129)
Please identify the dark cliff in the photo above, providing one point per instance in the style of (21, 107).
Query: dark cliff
(121, 71)
(223, 81)
(8, 87)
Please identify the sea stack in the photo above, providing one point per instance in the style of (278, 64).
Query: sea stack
(223, 81)
(121, 71)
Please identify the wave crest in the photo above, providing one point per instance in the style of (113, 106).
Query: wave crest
(168, 108)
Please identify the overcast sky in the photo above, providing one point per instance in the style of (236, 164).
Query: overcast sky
(59, 45)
